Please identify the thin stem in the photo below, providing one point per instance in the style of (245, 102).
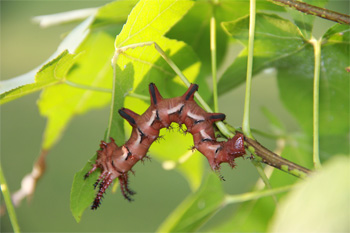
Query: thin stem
(246, 114)
(264, 178)
(314, 10)
(231, 199)
(213, 61)
(268, 157)
(316, 101)
(7, 198)
(112, 103)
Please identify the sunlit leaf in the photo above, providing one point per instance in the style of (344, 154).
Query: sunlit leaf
(115, 12)
(52, 73)
(71, 42)
(61, 102)
(150, 20)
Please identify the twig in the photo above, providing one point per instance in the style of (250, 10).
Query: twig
(275, 160)
(314, 10)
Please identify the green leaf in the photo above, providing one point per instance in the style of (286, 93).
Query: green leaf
(149, 66)
(51, 73)
(71, 42)
(197, 208)
(61, 102)
(150, 20)
(279, 44)
(82, 192)
(295, 81)
(319, 204)
(275, 38)
(194, 27)
(113, 13)
(124, 79)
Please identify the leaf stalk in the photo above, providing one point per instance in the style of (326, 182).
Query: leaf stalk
(7, 198)
(213, 61)
(316, 102)
(246, 114)
(231, 199)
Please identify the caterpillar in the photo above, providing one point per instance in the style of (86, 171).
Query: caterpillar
(116, 162)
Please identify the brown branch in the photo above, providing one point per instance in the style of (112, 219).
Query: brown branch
(274, 160)
(314, 10)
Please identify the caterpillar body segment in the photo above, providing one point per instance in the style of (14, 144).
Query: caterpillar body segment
(115, 162)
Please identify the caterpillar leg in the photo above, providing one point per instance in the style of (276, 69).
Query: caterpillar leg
(94, 167)
(105, 183)
(124, 187)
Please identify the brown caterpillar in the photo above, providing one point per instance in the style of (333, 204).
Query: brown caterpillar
(116, 162)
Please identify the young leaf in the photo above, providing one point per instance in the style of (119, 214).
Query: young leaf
(71, 42)
(150, 20)
(197, 208)
(61, 102)
(113, 13)
(301, 210)
(52, 73)
(157, 19)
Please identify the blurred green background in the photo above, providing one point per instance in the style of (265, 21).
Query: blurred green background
(24, 45)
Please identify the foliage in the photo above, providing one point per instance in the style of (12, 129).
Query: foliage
(81, 78)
